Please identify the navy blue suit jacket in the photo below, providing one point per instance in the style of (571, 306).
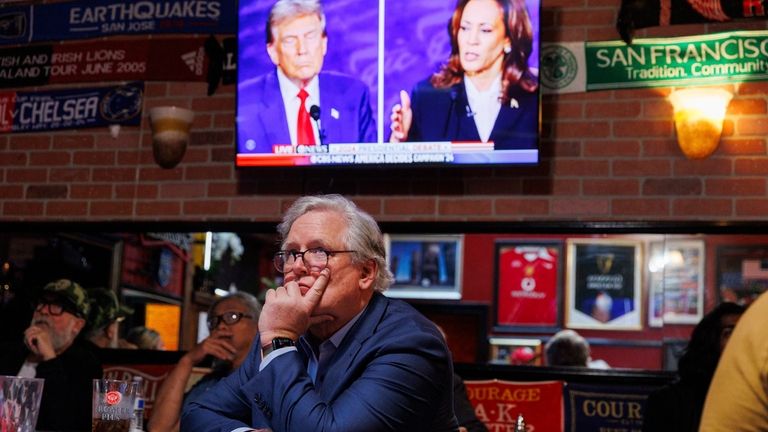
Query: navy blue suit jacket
(392, 372)
(345, 112)
(444, 115)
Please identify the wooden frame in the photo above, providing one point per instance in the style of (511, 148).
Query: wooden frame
(527, 285)
(675, 282)
(604, 284)
(425, 266)
(742, 272)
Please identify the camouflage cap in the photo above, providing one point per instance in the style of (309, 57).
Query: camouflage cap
(69, 294)
(105, 308)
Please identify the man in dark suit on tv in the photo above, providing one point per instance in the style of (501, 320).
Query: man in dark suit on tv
(296, 103)
(333, 353)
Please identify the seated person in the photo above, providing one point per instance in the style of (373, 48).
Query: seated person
(104, 321)
(568, 348)
(678, 406)
(334, 353)
(145, 338)
(233, 323)
(52, 349)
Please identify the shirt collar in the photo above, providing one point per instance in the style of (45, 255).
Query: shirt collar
(287, 87)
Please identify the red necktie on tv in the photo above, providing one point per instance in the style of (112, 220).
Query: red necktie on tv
(304, 133)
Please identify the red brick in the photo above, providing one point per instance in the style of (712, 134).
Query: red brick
(114, 175)
(642, 128)
(210, 172)
(13, 158)
(672, 186)
(256, 207)
(66, 208)
(213, 104)
(46, 192)
(735, 187)
(26, 175)
(182, 190)
(640, 207)
(585, 129)
(206, 208)
(410, 206)
(71, 142)
(613, 148)
(754, 208)
(119, 209)
(751, 126)
(593, 16)
(603, 187)
(694, 208)
(160, 174)
(521, 207)
(737, 146)
(88, 192)
(580, 167)
(713, 166)
(612, 109)
(94, 158)
(744, 106)
(136, 191)
(158, 208)
(450, 207)
(571, 207)
(11, 192)
(641, 168)
(50, 158)
(23, 208)
(30, 142)
(70, 175)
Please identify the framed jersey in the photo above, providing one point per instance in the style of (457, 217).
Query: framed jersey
(528, 281)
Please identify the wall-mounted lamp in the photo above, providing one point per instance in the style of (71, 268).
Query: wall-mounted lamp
(699, 117)
(170, 134)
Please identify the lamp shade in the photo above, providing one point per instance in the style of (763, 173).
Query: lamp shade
(699, 115)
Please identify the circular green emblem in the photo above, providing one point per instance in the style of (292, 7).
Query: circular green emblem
(558, 66)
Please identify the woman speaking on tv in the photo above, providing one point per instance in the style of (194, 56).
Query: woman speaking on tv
(486, 91)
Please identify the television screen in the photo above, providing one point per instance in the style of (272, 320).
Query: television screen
(347, 82)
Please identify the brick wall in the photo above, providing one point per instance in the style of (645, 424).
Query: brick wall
(606, 155)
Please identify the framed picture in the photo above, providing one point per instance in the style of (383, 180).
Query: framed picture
(676, 282)
(603, 284)
(425, 266)
(742, 272)
(527, 286)
(516, 351)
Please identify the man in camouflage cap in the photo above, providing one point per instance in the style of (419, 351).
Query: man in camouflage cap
(52, 350)
(106, 315)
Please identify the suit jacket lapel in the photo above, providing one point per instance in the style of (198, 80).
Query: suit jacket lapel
(337, 376)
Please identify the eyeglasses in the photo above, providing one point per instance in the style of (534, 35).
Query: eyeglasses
(54, 309)
(315, 258)
(229, 318)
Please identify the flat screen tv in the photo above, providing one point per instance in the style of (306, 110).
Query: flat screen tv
(380, 53)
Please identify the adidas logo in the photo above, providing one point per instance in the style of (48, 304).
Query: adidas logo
(189, 59)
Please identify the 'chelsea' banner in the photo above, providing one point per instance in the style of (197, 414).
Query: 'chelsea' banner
(71, 109)
(659, 62)
(90, 19)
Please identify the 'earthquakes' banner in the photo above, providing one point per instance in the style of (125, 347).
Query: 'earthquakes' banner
(591, 408)
(175, 59)
(722, 58)
(90, 19)
(71, 109)
(498, 403)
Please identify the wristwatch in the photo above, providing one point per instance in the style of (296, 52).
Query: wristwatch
(277, 343)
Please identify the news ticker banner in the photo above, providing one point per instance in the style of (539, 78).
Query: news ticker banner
(498, 403)
(441, 152)
(71, 109)
(721, 58)
(90, 19)
(591, 408)
(176, 59)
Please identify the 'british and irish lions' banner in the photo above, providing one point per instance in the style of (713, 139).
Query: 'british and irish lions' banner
(660, 62)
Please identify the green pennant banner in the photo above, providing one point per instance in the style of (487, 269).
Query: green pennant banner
(683, 61)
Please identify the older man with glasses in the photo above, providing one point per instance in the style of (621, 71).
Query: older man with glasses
(52, 349)
(233, 325)
(335, 353)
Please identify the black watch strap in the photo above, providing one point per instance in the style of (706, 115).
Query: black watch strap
(277, 343)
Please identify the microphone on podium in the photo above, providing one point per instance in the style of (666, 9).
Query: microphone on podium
(314, 112)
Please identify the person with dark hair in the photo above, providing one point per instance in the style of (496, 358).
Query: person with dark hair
(486, 91)
(678, 406)
(333, 352)
(233, 323)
